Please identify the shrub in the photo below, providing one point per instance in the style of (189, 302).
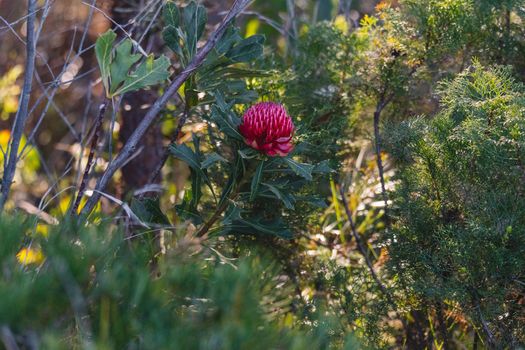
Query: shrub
(459, 237)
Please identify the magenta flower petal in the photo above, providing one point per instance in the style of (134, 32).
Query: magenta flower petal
(267, 127)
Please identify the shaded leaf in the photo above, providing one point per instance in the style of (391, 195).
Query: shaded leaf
(301, 169)
(225, 122)
(103, 49)
(256, 180)
(150, 72)
(248, 153)
(247, 50)
(287, 199)
(171, 14)
(172, 38)
(122, 63)
(211, 159)
(148, 210)
(322, 168)
(194, 17)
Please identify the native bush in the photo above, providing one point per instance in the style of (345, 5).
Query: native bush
(288, 198)
(458, 239)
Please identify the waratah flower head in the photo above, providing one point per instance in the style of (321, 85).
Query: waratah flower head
(267, 127)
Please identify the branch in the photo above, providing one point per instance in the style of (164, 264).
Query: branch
(98, 127)
(8, 338)
(130, 146)
(22, 113)
(490, 336)
(361, 247)
(174, 138)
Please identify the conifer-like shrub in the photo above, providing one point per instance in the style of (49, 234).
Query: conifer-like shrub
(458, 242)
(92, 288)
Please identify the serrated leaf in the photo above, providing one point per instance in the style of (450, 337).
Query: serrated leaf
(122, 63)
(148, 210)
(195, 18)
(228, 39)
(212, 159)
(172, 39)
(322, 168)
(187, 155)
(226, 123)
(256, 180)
(171, 14)
(270, 227)
(247, 50)
(287, 199)
(315, 201)
(301, 169)
(150, 72)
(103, 49)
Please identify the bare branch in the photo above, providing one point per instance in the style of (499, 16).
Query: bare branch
(98, 128)
(8, 338)
(22, 113)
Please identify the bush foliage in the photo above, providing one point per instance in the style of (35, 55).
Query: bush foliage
(395, 222)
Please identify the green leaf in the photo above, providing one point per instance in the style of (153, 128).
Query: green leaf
(256, 180)
(122, 63)
(187, 155)
(212, 159)
(187, 211)
(148, 210)
(172, 38)
(322, 168)
(301, 169)
(171, 14)
(103, 48)
(314, 201)
(150, 72)
(247, 50)
(248, 153)
(225, 122)
(232, 180)
(287, 199)
(228, 39)
(269, 227)
(194, 17)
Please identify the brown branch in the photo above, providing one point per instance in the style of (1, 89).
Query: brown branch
(490, 337)
(22, 113)
(360, 245)
(174, 138)
(130, 146)
(94, 141)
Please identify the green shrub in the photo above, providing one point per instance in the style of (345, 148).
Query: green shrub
(459, 237)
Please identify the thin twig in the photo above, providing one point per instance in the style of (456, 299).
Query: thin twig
(94, 141)
(76, 299)
(160, 103)
(217, 214)
(381, 104)
(22, 113)
(174, 138)
(361, 247)
(490, 337)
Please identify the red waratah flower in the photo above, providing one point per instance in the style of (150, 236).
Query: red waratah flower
(268, 128)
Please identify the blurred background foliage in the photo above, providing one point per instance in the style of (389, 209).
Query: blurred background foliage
(440, 83)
